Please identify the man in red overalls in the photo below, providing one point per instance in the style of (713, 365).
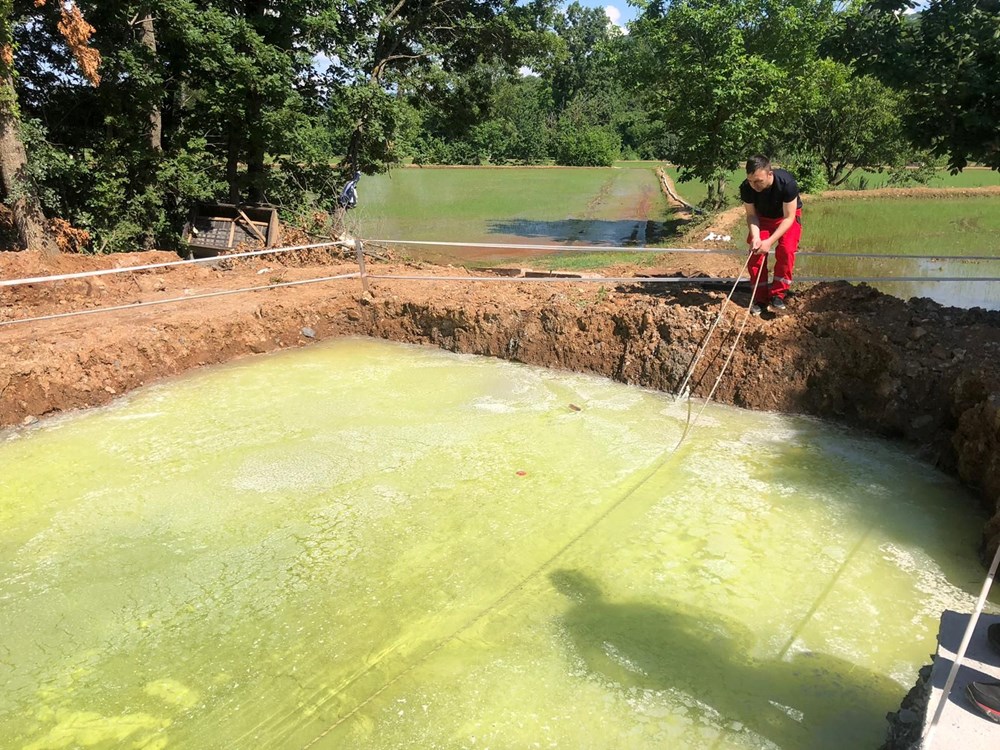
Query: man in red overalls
(774, 217)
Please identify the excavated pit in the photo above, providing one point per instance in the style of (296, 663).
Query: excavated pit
(913, 371)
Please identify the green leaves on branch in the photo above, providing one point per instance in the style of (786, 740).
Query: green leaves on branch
(843, 122)
(719, 83)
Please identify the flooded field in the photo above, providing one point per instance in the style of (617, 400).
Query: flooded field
(623, 207)
(529, 206)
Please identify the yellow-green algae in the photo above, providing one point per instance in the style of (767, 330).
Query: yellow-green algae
(370, 545)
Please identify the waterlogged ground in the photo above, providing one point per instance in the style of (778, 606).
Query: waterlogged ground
(370, 545)
(612, 207)
(964, 230)
(623, 207)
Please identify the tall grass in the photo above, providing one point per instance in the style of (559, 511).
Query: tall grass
(974, 177)
(695, 191)
(912, 226)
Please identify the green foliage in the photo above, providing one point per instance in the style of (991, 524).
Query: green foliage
(951, 61)
(426, 48)
(809, 171)
(589, 146)
(943, 59)
(259, 103)
(433, 150)
(721, 72)
(845, 121)
(581, 55)
(521, 106)
(504, 121)
(101, 191)
(256, 105)
(918, 169)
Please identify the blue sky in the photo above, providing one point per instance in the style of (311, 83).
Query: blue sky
(618, 11)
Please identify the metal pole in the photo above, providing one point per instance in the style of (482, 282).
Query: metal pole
(359, 248)
(953, 673)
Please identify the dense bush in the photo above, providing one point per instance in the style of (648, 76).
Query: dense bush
(808, 171)
(586, 147)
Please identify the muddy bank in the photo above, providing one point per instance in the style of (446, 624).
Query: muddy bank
(914, 371)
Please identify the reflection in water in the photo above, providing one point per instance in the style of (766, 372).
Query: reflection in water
(967, 294)
(629, 232)
(809, 700)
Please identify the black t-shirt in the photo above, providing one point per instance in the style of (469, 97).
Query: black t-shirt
(769, 202)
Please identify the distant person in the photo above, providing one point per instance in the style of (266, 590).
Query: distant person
(349, 196)
(774, 216)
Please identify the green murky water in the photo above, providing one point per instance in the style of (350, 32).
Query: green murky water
(366, 545)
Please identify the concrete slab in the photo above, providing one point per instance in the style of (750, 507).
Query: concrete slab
(961, 726)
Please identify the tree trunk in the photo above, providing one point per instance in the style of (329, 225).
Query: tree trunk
(233, 163)
(721, 181)
(148, 39)
(717, 191)
(255, 148)
(32, 230)
(255, 141)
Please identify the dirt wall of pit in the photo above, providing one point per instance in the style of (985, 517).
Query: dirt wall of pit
(927, 375)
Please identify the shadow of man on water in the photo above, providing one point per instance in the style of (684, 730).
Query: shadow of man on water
(809, 701)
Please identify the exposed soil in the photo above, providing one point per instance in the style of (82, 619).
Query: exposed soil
(915, 371)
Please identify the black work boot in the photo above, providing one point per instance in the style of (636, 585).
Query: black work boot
(993, 636)
(985, 698)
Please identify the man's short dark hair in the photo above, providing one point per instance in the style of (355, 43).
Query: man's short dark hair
(758, 161)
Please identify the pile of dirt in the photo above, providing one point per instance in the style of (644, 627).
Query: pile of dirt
(914, 371)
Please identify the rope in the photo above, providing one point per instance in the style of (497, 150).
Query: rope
(502, 279)
(746, 317)
(547, 563)
(511, 246)
(732, 350)
(167, 264)
(675, 279)
(134, 305)
(711, 330)
(956, 665)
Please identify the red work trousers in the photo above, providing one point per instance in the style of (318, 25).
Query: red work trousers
(784, 259)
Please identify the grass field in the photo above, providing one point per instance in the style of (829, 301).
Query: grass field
(695, 192)
(908, 226)
(912, 226)
(624, 205)
(974, 177)
(530, 206)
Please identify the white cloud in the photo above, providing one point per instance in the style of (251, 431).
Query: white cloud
(614, 15)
